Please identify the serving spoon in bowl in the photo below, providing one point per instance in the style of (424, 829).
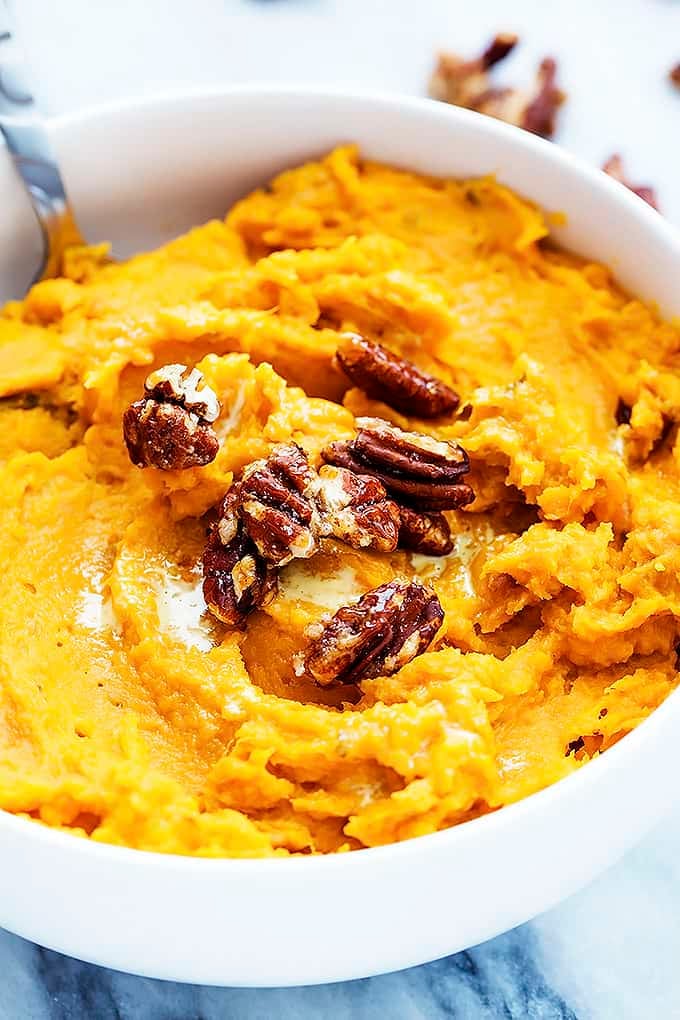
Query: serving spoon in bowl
(25, 133)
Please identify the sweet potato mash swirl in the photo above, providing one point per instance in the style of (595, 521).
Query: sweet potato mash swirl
(129, 716)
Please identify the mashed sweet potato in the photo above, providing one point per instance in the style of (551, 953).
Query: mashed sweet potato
(130, 716)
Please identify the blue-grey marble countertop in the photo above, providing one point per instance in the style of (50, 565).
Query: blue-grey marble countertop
(612, 952)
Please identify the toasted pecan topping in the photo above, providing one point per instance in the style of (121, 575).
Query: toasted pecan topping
(168, 437)
(426, 533)
(614, 167)
(177, 385)
(383, 631)
(276, 504)
(385, 376)
(356, 510)
(467, 83)
(171, 427)
(236, 579)
(423, 472)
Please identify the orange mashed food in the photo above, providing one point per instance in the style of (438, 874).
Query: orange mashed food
(129, 716)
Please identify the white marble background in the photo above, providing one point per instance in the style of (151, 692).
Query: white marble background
(613, 950)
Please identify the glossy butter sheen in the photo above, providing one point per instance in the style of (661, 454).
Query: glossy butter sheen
(125, 721)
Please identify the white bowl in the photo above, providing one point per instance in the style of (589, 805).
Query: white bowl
(138, 174)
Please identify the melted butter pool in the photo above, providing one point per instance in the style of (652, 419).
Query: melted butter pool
(330, 591)
(182, 611)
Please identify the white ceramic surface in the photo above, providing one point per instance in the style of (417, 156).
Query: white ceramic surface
(139, 174)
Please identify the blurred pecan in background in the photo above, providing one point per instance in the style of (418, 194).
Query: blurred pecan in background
(423, 472)
(614, 167)
(383, 631)
(459, 81)
(467, 83)
(276, 504)
(356, 510)
(385, 376)
(171, 427)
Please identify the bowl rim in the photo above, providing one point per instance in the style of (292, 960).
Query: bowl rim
(544, 148)
(496, 821)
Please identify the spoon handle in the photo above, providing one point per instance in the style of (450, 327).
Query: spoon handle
(29, 145)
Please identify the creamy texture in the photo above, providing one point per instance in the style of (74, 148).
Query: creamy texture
(128, 715)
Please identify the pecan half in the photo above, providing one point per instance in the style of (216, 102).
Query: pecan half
(385, 376)
(356, 510)
(167, 437)
(426, 533)
(674, 75)
(276, 504)
(236, 579)
(614, 167)
(422, 472)
(466, 83)
(171, 427)
(384, 630)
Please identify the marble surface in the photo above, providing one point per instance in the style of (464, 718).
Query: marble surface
(612, 950)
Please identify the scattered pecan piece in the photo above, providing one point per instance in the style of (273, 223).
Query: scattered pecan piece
(674, 75)
(415, 469)
(384, 630)
(385, 376)
(614, 167)
(498, 49)
(540, 113)
(236, 579)
(426, 533)
(466, 83)
(276, 504)
(171, 427)
(356, 510)
(459, 81)
(535, 111)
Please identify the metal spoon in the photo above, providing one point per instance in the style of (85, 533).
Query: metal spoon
(26, 136)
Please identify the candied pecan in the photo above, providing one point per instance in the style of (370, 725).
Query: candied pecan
(385, 376)
(356, 510)
(168, 437)
(426, 533)
(171, 427)
(415, 469)
(177, 385)
(276, 504)
(384, 630)
(614, 167)
(236, 579)
(466, 83)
